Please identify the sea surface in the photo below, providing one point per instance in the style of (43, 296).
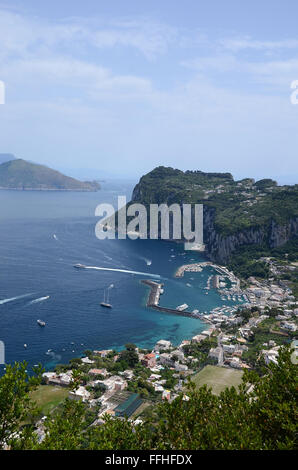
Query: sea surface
(42, 235)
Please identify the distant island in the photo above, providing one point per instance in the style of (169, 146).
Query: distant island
(22, 175)
(6, 157)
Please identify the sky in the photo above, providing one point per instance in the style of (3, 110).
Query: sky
(116, 88)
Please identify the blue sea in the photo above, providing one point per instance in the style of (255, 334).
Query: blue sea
(42, 236)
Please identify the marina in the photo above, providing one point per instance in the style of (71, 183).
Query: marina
(224, 282)
(156, 290)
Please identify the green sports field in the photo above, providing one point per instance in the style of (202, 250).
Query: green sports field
(48, 397)
(218, 378)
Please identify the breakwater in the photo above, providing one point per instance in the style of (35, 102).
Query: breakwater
(156, 289)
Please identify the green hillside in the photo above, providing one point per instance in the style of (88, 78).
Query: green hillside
(238, 205)
(22, 175)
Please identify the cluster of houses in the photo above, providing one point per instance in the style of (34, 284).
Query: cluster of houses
(64, 379)
(270, 355)
(114, 397)
(227, 353)
(164, 355)
(263, 293)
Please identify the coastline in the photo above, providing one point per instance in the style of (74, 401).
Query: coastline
(51, 189)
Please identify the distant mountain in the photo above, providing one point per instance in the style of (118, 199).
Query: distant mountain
(22, 175)
(6, 157)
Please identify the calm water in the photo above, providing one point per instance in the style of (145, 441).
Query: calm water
(42, 235)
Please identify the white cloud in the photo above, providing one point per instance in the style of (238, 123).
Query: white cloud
(239, 44)
(59, 86)
(23, 35)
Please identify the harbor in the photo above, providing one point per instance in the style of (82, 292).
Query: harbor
(156, 289)
(223, 281)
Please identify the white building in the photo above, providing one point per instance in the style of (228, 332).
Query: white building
(198, 338)
(162, 344)
(166, 359)
(179, 354)
(80, 394)
(86, 360)
(229, 348)
(180, 367)
(288, 326)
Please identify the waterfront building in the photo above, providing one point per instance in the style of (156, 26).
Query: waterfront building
(149, 360)
(162, 344)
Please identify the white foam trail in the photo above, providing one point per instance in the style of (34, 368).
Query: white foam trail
(122, 271)
(54, 356)
(147, 261)
(5, 301)
(41, 299)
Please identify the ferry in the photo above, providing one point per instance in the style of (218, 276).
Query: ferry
(182, 307)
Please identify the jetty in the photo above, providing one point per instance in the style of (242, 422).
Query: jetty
(193, 268)
(156, 289)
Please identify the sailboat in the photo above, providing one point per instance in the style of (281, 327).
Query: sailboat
(105, 302)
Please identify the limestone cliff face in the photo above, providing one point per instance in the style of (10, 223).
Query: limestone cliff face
(219, 248)
(236, 213)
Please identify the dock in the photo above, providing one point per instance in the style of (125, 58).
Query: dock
(156, 289)
(193, 268)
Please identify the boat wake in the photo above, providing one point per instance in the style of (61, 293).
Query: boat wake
(98, 268)
(41, 299)
(5, 301)
(53, 355)
(147, 261)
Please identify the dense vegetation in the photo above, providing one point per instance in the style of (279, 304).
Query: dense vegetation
(20, 174)
(236, 206)
(248, 261)
(262, 414)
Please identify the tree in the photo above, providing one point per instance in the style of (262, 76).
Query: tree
(129, 355)
(15, 402)
(264, 418)
(262, 414)
(130, 347)
(64, 431)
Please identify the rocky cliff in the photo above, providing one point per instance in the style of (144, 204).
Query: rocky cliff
(236, 213)
(219, 247)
